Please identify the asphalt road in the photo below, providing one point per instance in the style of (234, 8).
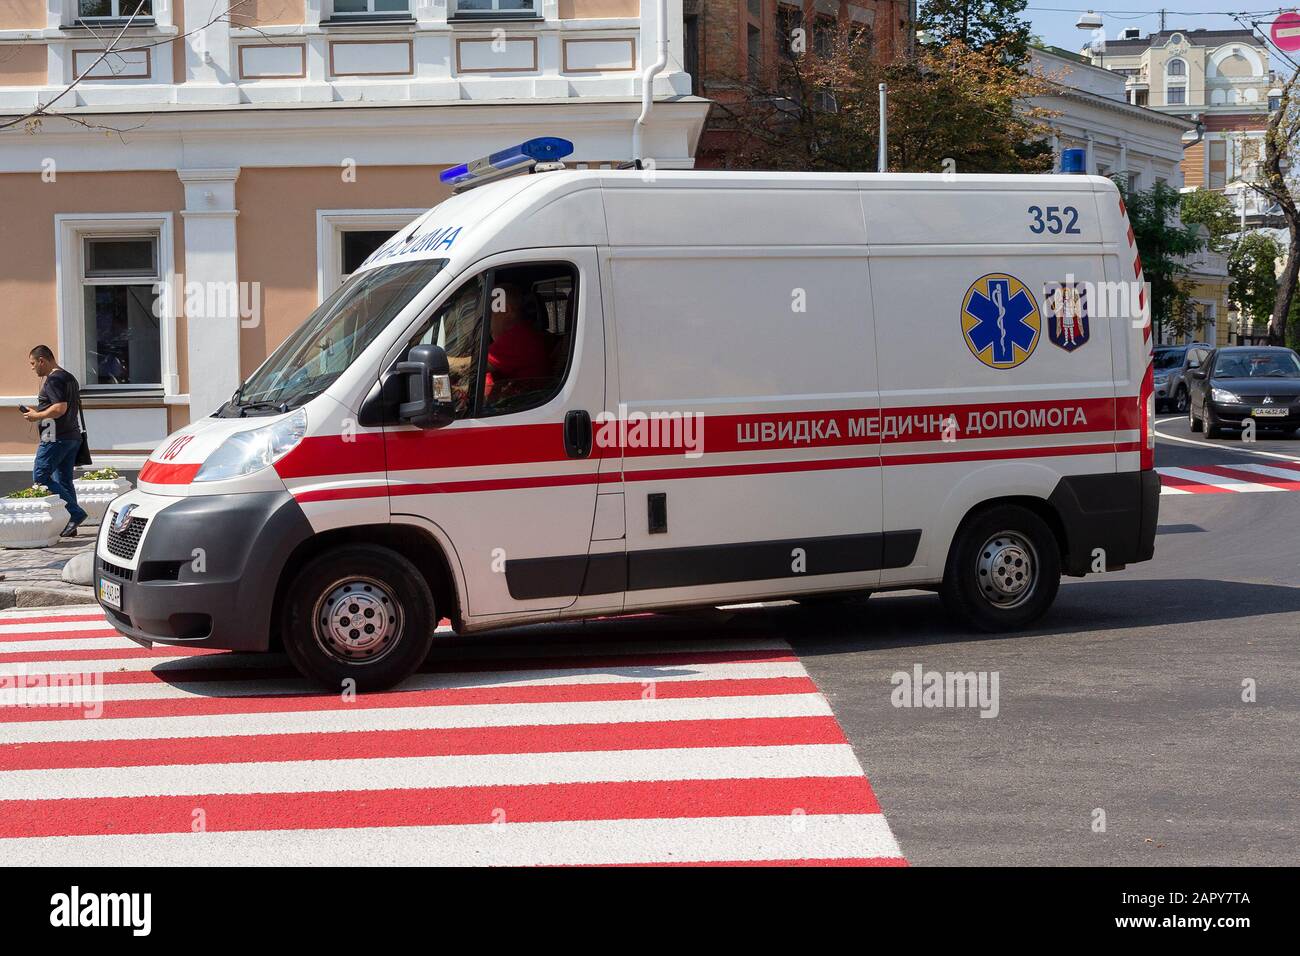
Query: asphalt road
(1127, 698)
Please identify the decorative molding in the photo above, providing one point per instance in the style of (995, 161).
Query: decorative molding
(408, 45)
(302, 54)
(463, 43)
(568, 42)
(94, 55)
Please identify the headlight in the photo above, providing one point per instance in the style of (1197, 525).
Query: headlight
(1223, 395)
(246, 452)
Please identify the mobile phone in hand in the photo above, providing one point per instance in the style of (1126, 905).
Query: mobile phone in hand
(24, 409)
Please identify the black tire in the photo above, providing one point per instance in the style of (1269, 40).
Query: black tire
(1182, 401)
(1192, 420)
(1212, 428)
(390, 594)
(990, 542)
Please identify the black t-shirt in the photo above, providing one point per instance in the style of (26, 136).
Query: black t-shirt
(60, 386)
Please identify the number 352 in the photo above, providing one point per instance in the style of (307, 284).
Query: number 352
(1055, 220)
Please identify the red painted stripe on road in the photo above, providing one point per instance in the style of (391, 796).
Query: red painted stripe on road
(109, 653)
(442, 697)
(1272, 481)
(439, 742)
(633, 800)
(1195, 487)
(106, 632)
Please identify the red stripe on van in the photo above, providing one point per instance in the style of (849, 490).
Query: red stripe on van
(160, 474)
(722, 471)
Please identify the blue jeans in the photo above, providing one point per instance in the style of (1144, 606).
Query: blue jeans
(53, 469)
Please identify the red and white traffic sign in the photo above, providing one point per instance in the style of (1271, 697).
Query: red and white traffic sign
(1286, 31)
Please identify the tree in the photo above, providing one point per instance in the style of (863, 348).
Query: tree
(950, 109)
(977, 24)
(1164, 243)
(1279, 145)
(1252, 266)
(1214, 211)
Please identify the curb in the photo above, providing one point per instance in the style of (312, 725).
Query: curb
(13, 596)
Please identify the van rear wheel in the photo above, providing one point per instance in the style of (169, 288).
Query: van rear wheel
(1003, 571)
(359, 612)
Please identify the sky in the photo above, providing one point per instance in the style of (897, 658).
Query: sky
(1053, 20)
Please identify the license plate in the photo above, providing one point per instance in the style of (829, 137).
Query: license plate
(110, 592)
(1268, 412)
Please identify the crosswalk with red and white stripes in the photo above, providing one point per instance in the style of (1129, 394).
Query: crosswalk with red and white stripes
(1236, 477)
(631, 746)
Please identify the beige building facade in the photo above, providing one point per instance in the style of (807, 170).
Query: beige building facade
(207, 183)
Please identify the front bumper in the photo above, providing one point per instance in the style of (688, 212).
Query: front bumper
(206, 571)
(1233, 414)
(1111, 517)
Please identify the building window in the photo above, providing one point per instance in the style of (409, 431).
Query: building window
(120, 279)
(1218, 164)
(495, 10)
(1176, 96)
(345, 238)
(754, 52)
(1176, 68)
(114, 9)
(1274, 103)
(1141, 97)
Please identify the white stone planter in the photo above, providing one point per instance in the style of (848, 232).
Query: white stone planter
(31, 522)
(96, 496)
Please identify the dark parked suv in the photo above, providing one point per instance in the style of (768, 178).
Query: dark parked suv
(1171, 365)
(1241, 382)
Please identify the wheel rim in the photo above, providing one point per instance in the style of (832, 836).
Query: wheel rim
(1007, 569)
(1182, 401)
(357, 620)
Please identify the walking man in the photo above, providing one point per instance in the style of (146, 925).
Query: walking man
(57, 414)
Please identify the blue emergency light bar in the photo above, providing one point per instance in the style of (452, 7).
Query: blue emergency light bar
(1074, 160)
(544, 149)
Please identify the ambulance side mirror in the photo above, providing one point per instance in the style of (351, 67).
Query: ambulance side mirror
(428, 388)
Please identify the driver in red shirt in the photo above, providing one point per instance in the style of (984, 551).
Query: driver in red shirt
(518, 351)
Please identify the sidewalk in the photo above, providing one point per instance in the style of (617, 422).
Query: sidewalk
(32, 575)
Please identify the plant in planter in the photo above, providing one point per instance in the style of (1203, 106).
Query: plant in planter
(96, 491)
(31, 518)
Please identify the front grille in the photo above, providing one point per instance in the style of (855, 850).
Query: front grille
(1277, 400)
(124, 542)
(126, 574)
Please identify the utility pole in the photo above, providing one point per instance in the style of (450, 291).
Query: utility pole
(882, 160)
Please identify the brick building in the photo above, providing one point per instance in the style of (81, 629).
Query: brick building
(731, 44)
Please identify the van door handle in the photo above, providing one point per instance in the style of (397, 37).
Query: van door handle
(577, 434)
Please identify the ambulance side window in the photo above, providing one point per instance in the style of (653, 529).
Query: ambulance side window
(458, 328)
(508, 335)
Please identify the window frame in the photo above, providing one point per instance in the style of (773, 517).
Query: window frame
(116, 16)
(71, 231)
(330, 226)
(489, 276)
(456, 15)
(1182, 67)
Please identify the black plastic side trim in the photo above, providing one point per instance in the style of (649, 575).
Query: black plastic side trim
(564, 576)
(1115, 513)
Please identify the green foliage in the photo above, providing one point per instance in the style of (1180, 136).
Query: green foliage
(977, 23)
(1212, 210)
(35, 491)
(102, 474)
(1251, 264)
(1164, 243)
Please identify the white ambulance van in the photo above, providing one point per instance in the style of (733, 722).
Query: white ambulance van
(589, 392)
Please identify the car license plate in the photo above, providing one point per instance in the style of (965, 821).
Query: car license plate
(1268, 412)
(110, 592)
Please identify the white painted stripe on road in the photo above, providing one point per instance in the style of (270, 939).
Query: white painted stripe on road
(1235, 449)
(54, 627)
(682, 840)
(418, 718)
(447, 654)
(1272, 471)
(401, 773)
(1217, 481)
(1171, 490)
(632, 673)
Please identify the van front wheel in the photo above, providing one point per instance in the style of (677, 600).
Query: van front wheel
(361, 613)
(1003, 570)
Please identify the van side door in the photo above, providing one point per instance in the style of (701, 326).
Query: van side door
(511, 482)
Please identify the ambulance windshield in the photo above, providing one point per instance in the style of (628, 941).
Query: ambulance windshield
(331, 339)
